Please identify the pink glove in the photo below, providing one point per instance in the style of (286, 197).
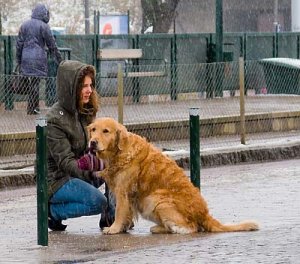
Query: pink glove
(90, 162)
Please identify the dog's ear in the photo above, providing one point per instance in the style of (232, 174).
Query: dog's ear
(122, 136)
(88, 129)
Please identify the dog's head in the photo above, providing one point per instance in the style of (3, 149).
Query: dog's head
(106, 137)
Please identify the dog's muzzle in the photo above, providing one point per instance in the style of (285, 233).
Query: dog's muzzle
(93, 145)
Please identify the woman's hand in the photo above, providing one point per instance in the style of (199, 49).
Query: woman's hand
(91, 163)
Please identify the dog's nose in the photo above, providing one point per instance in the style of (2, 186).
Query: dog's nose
(93, 144)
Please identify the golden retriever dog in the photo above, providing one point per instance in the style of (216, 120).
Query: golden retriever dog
(147, 182)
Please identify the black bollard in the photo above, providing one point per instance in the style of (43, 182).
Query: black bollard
(42, 186)
(195, 147)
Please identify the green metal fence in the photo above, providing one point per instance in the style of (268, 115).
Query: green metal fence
(175, 48)
(176, 72)
(271, 104)
(206, 80)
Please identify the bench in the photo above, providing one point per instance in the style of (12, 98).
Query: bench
(126, 55)
(118, 54)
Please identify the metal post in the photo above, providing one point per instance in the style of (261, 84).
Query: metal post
(298, 47)
(242, 100)
(42, 186)
(136, 68)
(174, 68)
(95, 22)
(276, 22)
(128, 21)
(8, 68)
(219, 30)
(195, 147)
(120, 94)
(219, 48)
(98, 45)
(276, 45)
(276, 29)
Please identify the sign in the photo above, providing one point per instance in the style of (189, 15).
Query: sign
(113, 24)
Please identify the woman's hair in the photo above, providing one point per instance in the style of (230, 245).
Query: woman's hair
(91, 108)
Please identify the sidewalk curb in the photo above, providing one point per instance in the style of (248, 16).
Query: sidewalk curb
(209, 158)
(213, 158)
(17, 180)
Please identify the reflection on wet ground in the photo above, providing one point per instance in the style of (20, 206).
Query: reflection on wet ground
(266, 192)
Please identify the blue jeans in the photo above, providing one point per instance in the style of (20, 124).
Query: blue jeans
(77, 198)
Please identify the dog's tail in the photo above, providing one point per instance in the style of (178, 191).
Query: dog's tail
(212, 225)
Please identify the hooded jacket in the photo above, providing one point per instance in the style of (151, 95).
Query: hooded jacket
(33, 38)
(66, 129)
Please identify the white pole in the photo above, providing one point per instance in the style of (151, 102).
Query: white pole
(276, 22)
(295, 8)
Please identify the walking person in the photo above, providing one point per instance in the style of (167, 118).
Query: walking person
(73, 185)
(33, 38)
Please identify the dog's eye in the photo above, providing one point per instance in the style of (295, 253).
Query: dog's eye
(93, 129)
(105, 130)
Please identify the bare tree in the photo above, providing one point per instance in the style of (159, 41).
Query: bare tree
(0, 21)
(4, 5)
(159, 14)
(6, 8)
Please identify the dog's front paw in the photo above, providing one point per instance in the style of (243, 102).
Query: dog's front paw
(112, 230)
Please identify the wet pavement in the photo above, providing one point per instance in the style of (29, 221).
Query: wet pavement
(266, 192)
(17, 120)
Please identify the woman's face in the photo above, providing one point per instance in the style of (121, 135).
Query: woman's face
(86, 90)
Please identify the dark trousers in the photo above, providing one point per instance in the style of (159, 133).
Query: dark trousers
(33, 94)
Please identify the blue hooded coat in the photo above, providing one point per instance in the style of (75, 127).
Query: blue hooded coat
(33, 38)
